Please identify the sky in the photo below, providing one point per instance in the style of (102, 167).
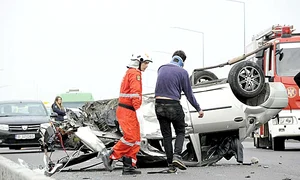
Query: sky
(49, 47)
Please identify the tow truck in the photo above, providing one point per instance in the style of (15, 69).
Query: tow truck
(279, 64)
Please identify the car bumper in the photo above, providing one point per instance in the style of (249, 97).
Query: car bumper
(286, 131)
(9, 138)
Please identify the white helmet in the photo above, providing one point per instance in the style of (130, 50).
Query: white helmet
(137, 59)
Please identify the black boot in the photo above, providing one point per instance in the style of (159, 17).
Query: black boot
(107, 162)
(128, 169)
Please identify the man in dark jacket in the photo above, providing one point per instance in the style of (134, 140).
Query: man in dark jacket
(297, 79)
(58, 108)
(172, 79)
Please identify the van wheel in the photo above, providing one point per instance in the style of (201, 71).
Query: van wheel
(278, 144)
(203, 76)
(246, 79)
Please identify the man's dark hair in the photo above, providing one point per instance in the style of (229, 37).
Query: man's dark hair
(181, 54)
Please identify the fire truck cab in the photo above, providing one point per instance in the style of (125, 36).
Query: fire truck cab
(280, 63)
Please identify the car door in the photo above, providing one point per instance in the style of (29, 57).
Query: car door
(222, 111)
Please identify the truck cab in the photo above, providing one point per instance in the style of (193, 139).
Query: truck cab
(75, 99)
(280, 64)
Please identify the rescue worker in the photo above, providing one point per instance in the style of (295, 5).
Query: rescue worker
(172, 79)
(58, 108)
(128, 110)
(297, 79)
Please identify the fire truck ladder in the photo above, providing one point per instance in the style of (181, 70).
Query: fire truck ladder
(270, 33)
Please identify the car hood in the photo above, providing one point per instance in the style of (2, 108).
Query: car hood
(24, 120)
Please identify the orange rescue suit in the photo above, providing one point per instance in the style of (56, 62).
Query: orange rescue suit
(130, 99)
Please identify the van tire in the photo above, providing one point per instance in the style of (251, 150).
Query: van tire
(278, 144)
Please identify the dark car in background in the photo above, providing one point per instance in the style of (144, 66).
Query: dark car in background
(20, 121)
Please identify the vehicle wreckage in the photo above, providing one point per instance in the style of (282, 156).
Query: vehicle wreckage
(234, 107)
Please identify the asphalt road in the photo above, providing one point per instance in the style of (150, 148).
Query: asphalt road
(273, 165)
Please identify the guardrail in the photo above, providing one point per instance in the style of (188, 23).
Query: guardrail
(10, 170)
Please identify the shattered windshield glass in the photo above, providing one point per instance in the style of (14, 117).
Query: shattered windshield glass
(290, 63)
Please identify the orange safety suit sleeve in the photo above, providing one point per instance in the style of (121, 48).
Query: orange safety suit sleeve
(135, 83)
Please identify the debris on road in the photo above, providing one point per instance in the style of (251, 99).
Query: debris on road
(254, 160)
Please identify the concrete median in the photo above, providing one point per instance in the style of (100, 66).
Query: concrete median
(10, 170)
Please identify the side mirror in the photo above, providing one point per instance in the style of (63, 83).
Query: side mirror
(53, 115)
(260, 54)
(280, 53)
(280, 56)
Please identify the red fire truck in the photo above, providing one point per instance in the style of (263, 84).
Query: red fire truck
(280, 63)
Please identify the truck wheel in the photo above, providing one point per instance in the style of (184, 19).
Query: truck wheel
(202, 76)
(246, 79)
(256, 142)
(278, 144)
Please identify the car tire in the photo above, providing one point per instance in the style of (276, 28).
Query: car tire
(246, 79)
(203, 76)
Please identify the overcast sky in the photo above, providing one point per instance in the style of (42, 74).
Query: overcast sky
(48, 47)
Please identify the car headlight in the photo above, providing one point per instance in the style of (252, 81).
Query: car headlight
(4, 127)
(45, 125)
(285, 120)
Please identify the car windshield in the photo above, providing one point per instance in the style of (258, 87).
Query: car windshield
(290, 63)
(22, 109)
(73, 104)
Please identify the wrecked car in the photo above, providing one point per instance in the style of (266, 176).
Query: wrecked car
(234, 107)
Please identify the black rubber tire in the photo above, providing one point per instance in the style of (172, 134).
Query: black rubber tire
(278, 144)
(256, 142)
(206, 75)
(256, 75)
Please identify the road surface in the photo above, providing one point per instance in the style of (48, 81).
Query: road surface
(273, 165)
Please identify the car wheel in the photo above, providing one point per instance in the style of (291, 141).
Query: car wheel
(246, 79)
(203, 76)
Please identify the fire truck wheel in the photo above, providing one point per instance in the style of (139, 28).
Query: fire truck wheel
(246, 79)
(203, 76)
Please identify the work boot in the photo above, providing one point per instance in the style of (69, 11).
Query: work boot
(177, 161)
(107, 162)
(128, 169)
